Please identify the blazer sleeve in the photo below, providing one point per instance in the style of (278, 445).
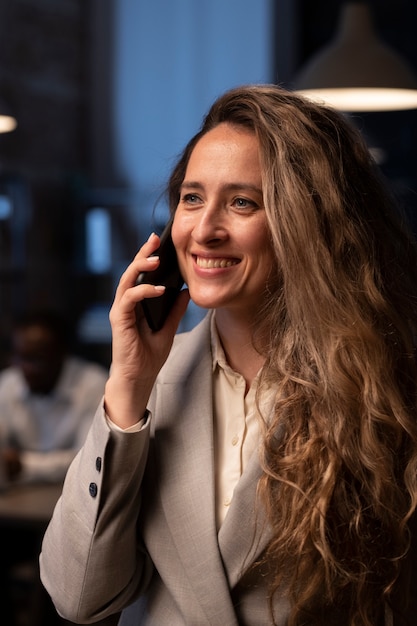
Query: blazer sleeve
(91, 562)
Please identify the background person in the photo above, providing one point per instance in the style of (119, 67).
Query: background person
(263, 468)
(47, 399)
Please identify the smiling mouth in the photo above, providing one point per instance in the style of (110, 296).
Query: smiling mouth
(215, 263)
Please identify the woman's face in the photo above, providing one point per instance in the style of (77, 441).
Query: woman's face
(220, 230)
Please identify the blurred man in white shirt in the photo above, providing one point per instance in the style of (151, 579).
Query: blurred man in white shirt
(47, 400)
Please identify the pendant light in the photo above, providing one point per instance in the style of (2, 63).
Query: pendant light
(356, 71)
(7, 120)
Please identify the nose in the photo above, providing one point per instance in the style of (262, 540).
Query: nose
(210, 226)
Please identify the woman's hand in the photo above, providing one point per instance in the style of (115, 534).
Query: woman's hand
(138, 353)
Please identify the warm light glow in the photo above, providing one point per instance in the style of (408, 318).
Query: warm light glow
(356, 71)
(7, 123)
(351, 99)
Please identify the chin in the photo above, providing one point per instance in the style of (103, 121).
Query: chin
(204, 303)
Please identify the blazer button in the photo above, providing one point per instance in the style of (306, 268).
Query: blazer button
(98, 463)
(93, 490)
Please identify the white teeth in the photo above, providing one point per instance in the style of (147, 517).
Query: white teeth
(214, 263)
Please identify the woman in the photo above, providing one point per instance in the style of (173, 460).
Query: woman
(268, 471)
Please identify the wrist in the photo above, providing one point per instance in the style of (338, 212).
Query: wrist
(124, 403)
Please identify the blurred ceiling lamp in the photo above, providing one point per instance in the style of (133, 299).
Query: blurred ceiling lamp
(7, 120)
(356, 71)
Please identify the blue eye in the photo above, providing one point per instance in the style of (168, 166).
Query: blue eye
(244, 203)
(191, 198)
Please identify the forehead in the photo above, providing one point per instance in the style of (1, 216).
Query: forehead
(226, 145)
(226, 133)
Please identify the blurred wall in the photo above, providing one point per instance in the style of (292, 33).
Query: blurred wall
(106, 93)
(44, 45)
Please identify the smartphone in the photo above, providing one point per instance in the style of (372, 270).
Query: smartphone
(168, 273)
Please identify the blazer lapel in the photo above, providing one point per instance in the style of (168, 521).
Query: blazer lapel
(184, 437)
(245, 531)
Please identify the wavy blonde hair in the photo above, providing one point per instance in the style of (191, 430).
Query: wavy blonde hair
(340, 452)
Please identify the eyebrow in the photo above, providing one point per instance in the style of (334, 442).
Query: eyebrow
(228, 187)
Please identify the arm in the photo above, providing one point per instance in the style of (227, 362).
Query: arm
(92, 563)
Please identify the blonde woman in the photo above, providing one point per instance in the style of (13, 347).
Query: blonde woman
(262, 468)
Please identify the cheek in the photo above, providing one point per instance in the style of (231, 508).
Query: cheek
(179, 239)
(258, 240)
(176, 232)
(181, 232)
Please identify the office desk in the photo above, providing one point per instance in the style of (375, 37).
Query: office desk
(29, 506)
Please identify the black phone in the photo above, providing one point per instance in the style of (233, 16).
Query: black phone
(167, 273)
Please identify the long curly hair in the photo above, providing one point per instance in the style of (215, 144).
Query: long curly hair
(339, 328)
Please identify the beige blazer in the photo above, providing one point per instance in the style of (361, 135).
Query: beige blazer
(135, 526)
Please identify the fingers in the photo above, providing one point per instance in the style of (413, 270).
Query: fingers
(125, 311)
(128, 293)
(148, 247)
(144, 261)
